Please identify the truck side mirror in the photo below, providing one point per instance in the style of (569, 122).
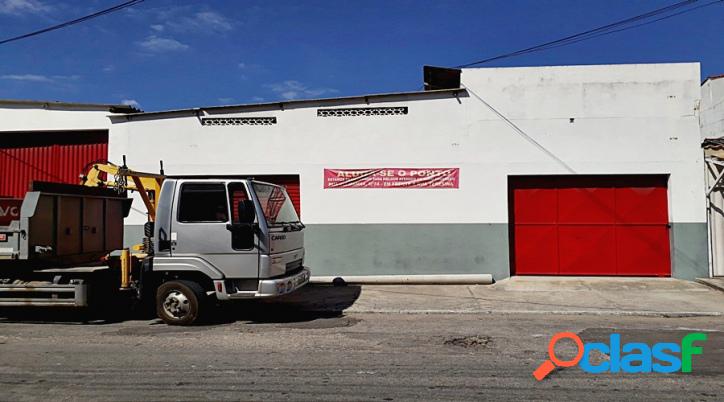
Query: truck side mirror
(246, 211)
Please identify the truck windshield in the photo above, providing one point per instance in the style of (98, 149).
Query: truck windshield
(275, 203)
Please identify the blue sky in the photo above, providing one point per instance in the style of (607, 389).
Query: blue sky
(166, 54)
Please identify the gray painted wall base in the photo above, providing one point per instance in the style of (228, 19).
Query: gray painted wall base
(690, 253)
(415, 249)
(379, 249)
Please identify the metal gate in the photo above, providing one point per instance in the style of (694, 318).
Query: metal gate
(590, 225)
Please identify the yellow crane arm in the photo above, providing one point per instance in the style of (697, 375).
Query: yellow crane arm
(122, 178)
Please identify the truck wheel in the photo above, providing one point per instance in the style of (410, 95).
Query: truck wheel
(179, 302)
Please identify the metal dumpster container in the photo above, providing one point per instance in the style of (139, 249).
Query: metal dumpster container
(65, 224)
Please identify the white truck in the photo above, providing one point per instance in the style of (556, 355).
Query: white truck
(208, 239)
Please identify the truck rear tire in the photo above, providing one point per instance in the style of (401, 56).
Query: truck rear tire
(180, 302)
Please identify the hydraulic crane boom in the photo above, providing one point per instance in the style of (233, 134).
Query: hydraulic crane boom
(123, 179)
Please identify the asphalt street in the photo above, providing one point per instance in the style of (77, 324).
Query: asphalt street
(286, 355)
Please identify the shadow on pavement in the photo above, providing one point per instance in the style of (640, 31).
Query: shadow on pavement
(63, 315)
(309, 303)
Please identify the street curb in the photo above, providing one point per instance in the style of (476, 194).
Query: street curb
(665, 314)
(452, 279)
(707, 282)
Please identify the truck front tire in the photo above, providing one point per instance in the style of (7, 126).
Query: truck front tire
(180, 302)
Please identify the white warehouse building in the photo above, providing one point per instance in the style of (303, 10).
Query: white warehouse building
(571, 170)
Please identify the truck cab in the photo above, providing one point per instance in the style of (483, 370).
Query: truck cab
(223, 239)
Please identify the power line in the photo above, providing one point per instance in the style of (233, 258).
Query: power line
(73, 22)
(640, 24)
(614, 27)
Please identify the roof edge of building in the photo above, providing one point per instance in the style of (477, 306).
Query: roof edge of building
(552, 66)
(113, 108)
(713, 143)
(712, 78)
(295, 102)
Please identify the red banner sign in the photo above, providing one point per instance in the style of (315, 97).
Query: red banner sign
(392, 178)
(9, 210)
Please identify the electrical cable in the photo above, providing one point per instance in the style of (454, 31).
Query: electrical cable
(73, 22)
(521, 132)
(603, 30)
(638, 25)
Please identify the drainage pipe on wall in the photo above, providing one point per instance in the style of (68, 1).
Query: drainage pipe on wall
(461, 279)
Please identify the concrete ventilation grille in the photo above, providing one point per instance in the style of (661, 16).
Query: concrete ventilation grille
(238, 121)
(363, 111)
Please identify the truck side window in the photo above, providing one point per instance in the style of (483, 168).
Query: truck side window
(237, 194)
(203, 203)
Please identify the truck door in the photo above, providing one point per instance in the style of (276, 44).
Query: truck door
(202, 213)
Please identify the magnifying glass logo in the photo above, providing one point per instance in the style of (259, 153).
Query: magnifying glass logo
(544, 369)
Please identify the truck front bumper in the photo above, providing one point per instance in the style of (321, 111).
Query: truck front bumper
(270, 287)
(282, 286)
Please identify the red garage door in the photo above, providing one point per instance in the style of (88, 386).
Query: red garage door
(589, 225)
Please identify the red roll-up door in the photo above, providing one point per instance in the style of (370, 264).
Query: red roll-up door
(590, 225)
(55, 157)
(290, 182)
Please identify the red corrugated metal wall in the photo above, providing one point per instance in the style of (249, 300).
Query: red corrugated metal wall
(590, 225)
(55, 157)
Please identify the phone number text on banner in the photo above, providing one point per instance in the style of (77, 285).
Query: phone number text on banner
(392, 178)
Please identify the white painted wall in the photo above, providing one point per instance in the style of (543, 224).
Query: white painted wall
(627, 119)
(34, 118)
(712, 108)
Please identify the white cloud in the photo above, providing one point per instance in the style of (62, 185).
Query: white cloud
(257, 99)
(109, 68)
(73, 77)
(225, 100)
(213, 20)
(292, 89)
(57, 81)
(248, 69)
(182, 19)
(155, 43)
(27, 77)
(19, 7)
(131, 102)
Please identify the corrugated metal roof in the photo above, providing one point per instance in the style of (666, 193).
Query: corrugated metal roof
(70, 105)
(282, 104)
(712, 77)
(716, 144)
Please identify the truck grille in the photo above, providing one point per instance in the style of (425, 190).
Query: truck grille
(294, 266)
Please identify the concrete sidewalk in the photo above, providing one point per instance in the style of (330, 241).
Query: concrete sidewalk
(542, 295)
